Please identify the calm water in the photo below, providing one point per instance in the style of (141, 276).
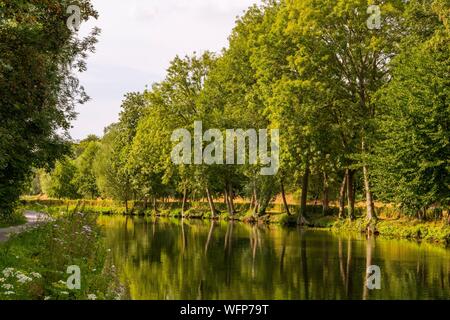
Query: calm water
(171, 259)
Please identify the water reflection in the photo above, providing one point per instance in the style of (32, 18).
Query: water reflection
(190, 259)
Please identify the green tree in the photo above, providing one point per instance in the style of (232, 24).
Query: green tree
(62, 184)
(343, 63)
(38, 57)
(85, 177)
(411, 159)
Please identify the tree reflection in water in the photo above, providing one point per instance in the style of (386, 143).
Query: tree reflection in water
(192, 259)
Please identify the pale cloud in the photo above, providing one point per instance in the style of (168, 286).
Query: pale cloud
(138, 40)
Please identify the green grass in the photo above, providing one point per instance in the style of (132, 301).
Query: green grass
(404, 228)
(33, 265)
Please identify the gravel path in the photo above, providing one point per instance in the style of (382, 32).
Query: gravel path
(33, 218)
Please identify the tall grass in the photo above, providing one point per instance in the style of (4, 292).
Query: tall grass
(33, 265)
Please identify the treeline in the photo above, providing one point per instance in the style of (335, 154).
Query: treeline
(363, 113)
(39, 56)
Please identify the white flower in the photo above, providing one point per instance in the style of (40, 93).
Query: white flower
(65, 293)
(47, 298)
(8, 293)
(92, 297)
(2, 280)
(87, 229)
(8, 272)
(36, 275)
(7, 286)
(23, 278)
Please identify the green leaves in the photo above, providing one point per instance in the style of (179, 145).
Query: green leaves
(412, 157)
(38, 90)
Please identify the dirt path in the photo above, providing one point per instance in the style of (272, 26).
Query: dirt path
(33, 218)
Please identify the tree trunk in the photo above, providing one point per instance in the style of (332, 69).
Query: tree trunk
(256, 207)
(342, 196)
(227, 202)
(304, 196)
(283, 195)
(350, 194)
(253, 200)
(325, 197)
(155, 205)
(126, 206)
(211, 203)
(183, 205)
(231, 198)
(369, 199)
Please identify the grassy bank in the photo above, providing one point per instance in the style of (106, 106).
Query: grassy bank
(34, 264)
(389, 224)
(16, 219)
(401, 228)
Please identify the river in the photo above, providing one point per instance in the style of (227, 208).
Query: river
(192, 259)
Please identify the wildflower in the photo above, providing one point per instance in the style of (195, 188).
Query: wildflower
(23, 278)
(47, 298)
(8, 272)
(65, 293)
(7, 286)
(8, 293)
(92, 297)
(36, 275)
(87, 229)
(2, 280)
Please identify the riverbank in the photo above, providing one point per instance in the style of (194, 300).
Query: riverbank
(28, 219)
(389, 224)
(34, 264)
(16, 219)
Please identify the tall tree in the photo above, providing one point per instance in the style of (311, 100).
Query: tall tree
(411, 159)
(348, 61)
(38, 55)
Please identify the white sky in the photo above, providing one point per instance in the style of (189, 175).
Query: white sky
(139, 38)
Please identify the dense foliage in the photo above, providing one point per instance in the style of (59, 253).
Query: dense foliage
(38, 57)
(363, 113)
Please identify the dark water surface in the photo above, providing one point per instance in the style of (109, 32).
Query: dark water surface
(190, 259)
